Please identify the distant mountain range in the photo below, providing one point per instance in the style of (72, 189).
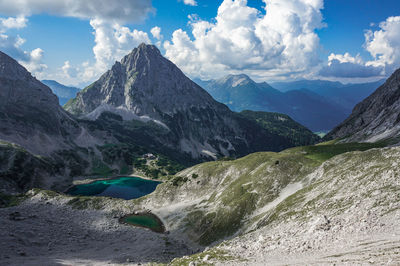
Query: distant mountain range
(239, 93)
(317, 104)
(64, 93)
(344, 95)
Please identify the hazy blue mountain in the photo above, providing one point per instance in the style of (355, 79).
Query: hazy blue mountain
(345, 95)
(239, 92)
(312, 85)
(310, 109)
(64, 93)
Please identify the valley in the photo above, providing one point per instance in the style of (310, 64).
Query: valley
(143, 166)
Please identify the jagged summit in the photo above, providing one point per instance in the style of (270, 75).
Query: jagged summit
(143, 82)
(375, 118)
(146, 86)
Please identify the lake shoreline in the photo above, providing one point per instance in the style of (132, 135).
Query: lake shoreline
(161, 230)
(89, 180)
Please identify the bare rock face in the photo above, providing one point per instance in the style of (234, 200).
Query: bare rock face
(375, 118)
(146, 86)
(29, 112)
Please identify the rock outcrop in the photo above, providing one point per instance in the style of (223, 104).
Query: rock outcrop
(375, 118)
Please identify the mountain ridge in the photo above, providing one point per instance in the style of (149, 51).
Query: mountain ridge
(376, 117)
(306, 107)
(148, 87)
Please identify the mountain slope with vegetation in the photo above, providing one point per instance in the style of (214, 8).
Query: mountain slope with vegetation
(283, 125)
(287, 207)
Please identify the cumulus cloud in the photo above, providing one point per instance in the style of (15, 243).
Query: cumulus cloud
(384, 44)
(281, 42)
(12, 23)
(32, 60)
(156, 32)
(116, 10)
(190, 2)
(68, 70)
(354, 68)
(350, 70)
(34, 63)
(113, 41)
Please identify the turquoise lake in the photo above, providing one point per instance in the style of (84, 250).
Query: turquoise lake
(121, 187)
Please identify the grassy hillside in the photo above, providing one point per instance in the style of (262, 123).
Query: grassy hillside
(300, 198)
(215, 200)
(283, 125)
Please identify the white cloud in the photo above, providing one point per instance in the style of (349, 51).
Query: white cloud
(32, 60)
(345, 58)
(68, 70)
(190, 2)
(34, 63)
(156, 32)
(12, 23)
(347, 66)
(113, 41)
(241, 39)
(384, 44)
(116, 10)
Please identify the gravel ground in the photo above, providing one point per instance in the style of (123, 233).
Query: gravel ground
(47, 232)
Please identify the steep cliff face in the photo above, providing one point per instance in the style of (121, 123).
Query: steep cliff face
(147, 87)
(41, 145)
(375, 118)
(29, 112)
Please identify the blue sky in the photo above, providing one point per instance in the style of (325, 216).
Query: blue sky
(350, 41)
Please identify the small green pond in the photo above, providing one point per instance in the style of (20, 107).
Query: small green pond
(146, 220)
(121, 187)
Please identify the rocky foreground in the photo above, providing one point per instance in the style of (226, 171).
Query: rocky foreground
(47, 229)
(344, 210)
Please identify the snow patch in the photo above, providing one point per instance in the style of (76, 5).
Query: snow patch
(238, 82)
(196, 148)
(122, 111)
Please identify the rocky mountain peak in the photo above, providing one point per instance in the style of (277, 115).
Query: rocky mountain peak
(235, 80)
(144, 83)
(10, 69)
(146, 86)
